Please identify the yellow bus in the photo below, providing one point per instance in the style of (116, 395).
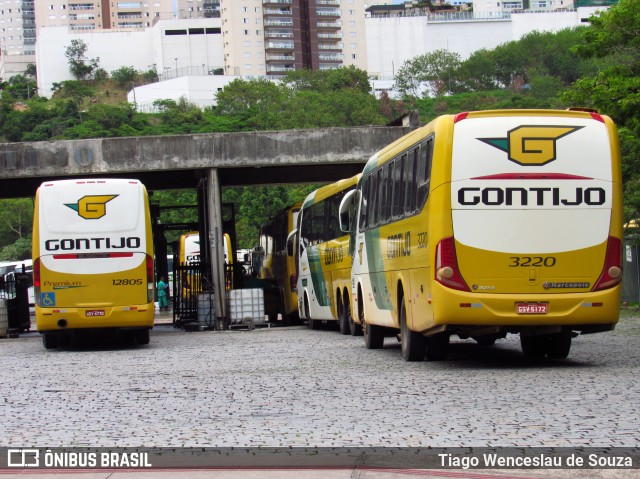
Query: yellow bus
(189, 254)
(324, 261)
(276, 267)
(488, 223)
(92, 259)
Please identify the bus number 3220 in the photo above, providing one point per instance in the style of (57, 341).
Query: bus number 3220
(532, 261)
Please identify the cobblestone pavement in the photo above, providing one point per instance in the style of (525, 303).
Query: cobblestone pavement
(297, 387)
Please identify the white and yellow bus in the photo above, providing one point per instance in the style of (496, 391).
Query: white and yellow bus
(324, 261)
(92, 259)
(488, 223)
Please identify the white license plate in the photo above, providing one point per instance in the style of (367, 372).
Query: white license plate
(91, 313)
(532, 308)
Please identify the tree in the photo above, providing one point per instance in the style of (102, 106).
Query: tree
(124, 76)
(79, 66)
(429, 73)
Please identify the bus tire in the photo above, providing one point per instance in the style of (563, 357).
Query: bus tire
(312, 324)
(373, 336)
(558, 346)
(142, 336)
(533, 347)
(355, 328)
(344, 317)
(414, 345)
(49, 341)
(438, 347)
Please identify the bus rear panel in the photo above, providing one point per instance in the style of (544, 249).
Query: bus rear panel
(93, 258)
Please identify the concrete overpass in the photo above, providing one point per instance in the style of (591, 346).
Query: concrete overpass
(185, 161)
(179, 161)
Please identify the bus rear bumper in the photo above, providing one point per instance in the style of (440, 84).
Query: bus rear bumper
(486, 313)
(60, 319)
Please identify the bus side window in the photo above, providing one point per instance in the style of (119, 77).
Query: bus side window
(317, 223)
(331, 213)
(398, 191)
(424, 173)
(364, 202)
(409, 182)
(375, 193)
(383, 200)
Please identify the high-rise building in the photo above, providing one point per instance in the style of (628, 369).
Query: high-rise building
(17, 36)
(272, 37)
(81, 15)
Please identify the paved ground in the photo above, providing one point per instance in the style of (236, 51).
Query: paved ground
(283, 387)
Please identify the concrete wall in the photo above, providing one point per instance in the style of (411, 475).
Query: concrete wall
(393, 41)
(166, 155)
(198, 89)
(142, 50)
(115, 50)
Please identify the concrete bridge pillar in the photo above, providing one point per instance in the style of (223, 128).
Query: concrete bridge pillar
(214, 207)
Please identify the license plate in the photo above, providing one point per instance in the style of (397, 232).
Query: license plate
(91, 313)
(532, 308)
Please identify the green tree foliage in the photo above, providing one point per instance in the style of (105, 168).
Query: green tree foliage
(19, 87)
(431, 73)
(18, 250)
(124, 76)
(16, 217)
(79, 66)
(303, 99)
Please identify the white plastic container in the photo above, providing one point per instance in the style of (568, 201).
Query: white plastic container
(245, 306)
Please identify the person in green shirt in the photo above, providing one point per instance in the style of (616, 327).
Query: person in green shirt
(163, 302)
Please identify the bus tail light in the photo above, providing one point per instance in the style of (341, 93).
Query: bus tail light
(36, 281)
(447, 272)
(612, 272)
(293, 280)
(150, 282)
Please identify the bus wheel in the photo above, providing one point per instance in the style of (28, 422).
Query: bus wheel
(413, 344)
(312, 324)
(344, 317)
(355, 328)
(534, 347)
(438, 347)
(559, 345)
(142, 336)
(49, 341)
(373, 336)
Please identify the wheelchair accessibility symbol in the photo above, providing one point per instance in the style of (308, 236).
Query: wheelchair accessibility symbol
(48, 299)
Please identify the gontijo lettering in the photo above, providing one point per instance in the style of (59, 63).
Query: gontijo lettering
(71, 244)
(536, 196)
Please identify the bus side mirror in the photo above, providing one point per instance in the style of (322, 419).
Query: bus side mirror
(290, 242)
(347, 211)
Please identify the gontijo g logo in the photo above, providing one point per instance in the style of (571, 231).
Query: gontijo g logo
(91, 207)
(531, 145)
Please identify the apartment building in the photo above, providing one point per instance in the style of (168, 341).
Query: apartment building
(17, 36)
(82, 15)
(500, 7)
(272, 37)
